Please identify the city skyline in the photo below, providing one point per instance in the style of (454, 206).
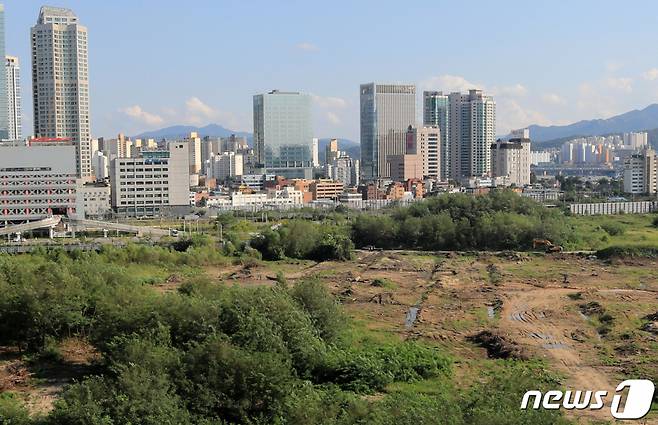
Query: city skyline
(539, 78)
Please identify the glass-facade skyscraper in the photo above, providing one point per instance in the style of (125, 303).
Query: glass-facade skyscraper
(436, 112)
(283, 132)
(387, 111)
(4, 121)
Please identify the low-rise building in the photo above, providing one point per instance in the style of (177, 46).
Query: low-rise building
(156, 181)
(37, 181)
(93, 200)
(351, 199)
(395, 191)
(326, 189)
(256, 182)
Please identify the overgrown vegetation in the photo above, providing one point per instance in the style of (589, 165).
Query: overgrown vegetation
(500, 220)
(213, 354)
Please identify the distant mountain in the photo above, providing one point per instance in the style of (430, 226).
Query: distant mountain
(178, 131)
(637, 120)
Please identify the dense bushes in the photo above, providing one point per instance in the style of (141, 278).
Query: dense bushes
(305, 240)
(500, 220)
(212, 354)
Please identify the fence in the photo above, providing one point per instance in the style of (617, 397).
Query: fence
(610, 208)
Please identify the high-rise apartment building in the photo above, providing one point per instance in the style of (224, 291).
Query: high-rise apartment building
(194, 145)
(429, 140)
(14, 108)
(636, 140)
(436, 113)
(315, 153)
(331, 152)
(226, 165)
(60, 81)
(387, 110)
(641, 173)
(4, 119)
(121, 147)
(512, 159)
(471, 131)
(283, 134)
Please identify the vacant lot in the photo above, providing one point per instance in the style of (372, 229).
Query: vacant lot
(589, 320)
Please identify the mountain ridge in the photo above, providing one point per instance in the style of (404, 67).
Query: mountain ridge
(636, 120)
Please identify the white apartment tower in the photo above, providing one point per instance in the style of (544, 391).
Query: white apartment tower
(60, 81)
(194, 146)
(429, 141)
(4, 122)
(511, 159)
(227, 165)
(472, 131)
(14, 111)
(641, 173)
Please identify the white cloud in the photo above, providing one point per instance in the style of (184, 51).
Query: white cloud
(620, 83)
(651, 74)
(333, 118)
(198, 112)
(307, 47)
(516, 90)
(449, 83)
(196, 106)
(553, 99)
(329, 102)
(512, 115)
(136, 112)
(613, 66)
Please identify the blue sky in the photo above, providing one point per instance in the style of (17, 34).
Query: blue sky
(159, 63)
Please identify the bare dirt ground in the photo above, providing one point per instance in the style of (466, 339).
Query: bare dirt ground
(39, 383)
(532, 301)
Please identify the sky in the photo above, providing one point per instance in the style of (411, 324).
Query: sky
(155, 63)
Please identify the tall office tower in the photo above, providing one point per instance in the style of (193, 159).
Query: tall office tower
(60, 81)
(4, 119)
(283, 134)
(387, 110)
(472, 131)
(14, 110)
(331, 152)
(436, 113)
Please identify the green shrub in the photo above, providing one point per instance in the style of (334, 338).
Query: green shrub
(613, 228)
